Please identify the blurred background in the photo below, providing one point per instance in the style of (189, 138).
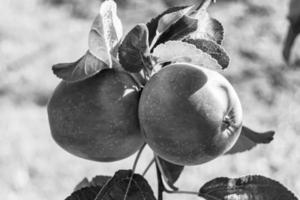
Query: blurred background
(35, 34)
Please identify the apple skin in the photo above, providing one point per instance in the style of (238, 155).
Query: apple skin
(189, 114)
(97, 118)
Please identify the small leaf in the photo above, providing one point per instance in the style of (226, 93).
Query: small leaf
(178, 51)
(208, 27)
(116, 188)
(87, 193)
(213, 49)
(250, 139)
(169, 19)
(105, 33)
(179, 30)
(249, 187)
(169, 171)
(134, 52)
(85, 67)
(153, 24)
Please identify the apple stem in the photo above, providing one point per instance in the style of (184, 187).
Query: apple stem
(133, 169)
(148, 167)
(161, 187)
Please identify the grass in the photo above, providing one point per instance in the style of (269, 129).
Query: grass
(34, 36)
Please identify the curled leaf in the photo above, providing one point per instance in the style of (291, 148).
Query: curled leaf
(85, 67)
(184, 52)
(169, 19)
(248, 187)
(162, 22)
(213, 49)
(169, 171)
(134, 52)
(179, 30)
(106, 32)
(208, 27)
(249, 139)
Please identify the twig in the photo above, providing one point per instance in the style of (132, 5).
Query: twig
(148, 167)
(160, 183)
(133, 169)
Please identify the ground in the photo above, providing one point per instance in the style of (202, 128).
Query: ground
(35, 35)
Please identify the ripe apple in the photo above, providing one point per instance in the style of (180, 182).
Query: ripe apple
(189, 114)
(97, 118)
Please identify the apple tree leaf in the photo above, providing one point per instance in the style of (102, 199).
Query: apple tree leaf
(170, 172)
(249, 139)
(87, 66)
(116, 188)
(134, 52)
(248, 187)
(208, 27)
(213, 49)
(171, 15)
(179, 30)
(104, 38)
(87, 193)
(96, 181)
(88, 190)
(105, 33)
(178, 51)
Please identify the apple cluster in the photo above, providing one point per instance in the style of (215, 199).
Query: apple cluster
(154, 86)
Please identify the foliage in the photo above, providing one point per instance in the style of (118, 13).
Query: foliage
(203, 38)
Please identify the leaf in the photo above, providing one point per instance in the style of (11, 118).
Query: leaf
(87, 193)
(106, 32)
(245, 188)
(104, 38)
(96, 181)
(85, 67)
(169, 19)
(249, 139)
(116, 188)
(170, 171)
(134, 52)
(153, 24)
(208, 27)
(82, 184)
(213, 49)
(179, 30)
(88, 190)
(100, 180)
(184, 52)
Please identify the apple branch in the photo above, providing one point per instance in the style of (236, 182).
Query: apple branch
(133, 169)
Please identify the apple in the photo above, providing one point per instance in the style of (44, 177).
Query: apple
(97, 118)
(189, 114)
